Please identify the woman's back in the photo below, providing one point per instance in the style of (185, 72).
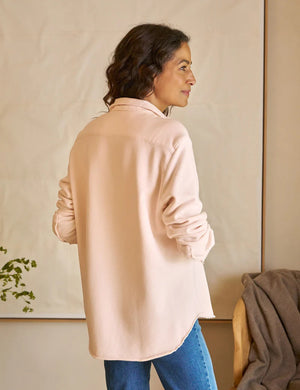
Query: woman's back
(141, 295)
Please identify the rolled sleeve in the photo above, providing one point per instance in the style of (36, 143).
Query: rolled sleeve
(181, 207)
(63, 222)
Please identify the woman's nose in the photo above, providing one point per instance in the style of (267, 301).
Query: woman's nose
(191, 79)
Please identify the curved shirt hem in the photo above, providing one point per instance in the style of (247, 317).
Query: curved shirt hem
(199, 316)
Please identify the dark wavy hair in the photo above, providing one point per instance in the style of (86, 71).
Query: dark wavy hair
(139, 58)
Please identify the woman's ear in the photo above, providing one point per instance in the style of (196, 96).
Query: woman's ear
(152, 91)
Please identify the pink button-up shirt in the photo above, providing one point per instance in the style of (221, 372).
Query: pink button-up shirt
(131, 203)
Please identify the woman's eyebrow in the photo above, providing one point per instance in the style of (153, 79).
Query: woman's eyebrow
(183, 60)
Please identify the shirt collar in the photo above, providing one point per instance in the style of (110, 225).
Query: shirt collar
(127, 102)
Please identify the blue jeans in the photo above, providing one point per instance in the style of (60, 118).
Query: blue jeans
(188, 368)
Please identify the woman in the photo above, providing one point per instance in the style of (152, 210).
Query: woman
(130, 201)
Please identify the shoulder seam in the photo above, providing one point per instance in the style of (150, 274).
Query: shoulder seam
(170, 148)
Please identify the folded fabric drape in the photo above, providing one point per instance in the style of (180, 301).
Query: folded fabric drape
(272, 305)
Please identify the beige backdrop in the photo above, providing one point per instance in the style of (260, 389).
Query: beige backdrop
(53, 58)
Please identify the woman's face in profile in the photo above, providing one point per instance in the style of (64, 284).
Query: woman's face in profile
(173, 85)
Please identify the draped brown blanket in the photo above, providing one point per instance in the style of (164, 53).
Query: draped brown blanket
(272, 304)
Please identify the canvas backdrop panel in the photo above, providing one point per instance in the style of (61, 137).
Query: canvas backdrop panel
(53, 60)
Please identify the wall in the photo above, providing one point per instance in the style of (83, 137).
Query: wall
(41, 354)
(282, 228)
(53, 354)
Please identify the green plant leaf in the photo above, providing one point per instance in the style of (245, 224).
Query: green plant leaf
(3, 249)
(8, 267)
(21, 294)
(6, 289)
(31, 295)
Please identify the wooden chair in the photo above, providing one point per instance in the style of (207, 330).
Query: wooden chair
(242, 342)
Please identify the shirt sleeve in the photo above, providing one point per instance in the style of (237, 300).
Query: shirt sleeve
(63, 222)
(181, 207)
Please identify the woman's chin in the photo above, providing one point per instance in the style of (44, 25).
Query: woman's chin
(183, 104)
